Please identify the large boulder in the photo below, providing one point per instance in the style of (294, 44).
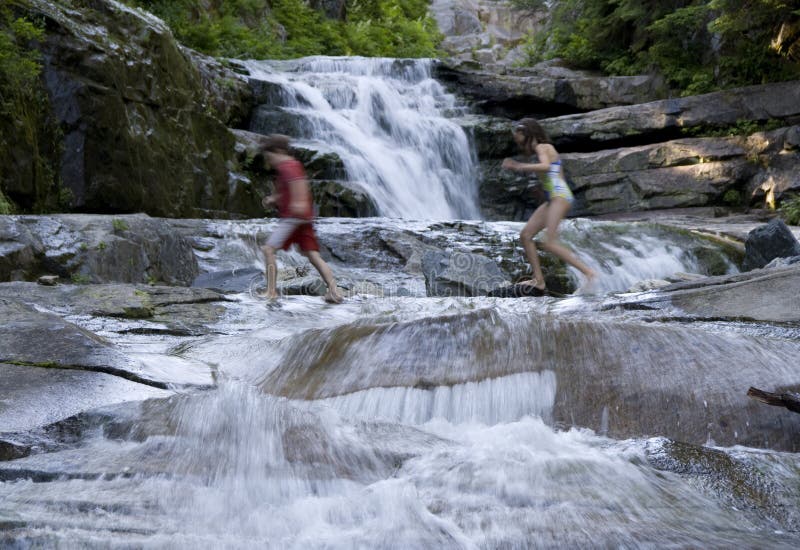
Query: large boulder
(33, 338)
(768, 295)
(176, 311)
(657, 120)
(687, 172)
(538, 92)
(142, 130)
(89, 248)
(771, 240)
(620, 377)
(460, 274)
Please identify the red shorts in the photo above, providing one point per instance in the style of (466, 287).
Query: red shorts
(294, 231)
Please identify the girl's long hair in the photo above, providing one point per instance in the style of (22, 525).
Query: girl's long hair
(532, 130)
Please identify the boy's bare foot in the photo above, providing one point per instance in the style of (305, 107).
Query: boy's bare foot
(333, 297)
(534, 283)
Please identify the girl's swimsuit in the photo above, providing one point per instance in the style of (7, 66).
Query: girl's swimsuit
(554, 184)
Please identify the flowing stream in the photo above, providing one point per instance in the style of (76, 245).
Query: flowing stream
(413, 422)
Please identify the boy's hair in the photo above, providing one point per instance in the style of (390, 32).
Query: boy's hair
(275, 142)
(531, 129)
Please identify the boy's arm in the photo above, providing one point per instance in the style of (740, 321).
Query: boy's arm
(269, 200)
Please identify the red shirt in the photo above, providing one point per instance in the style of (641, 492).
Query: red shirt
(288, 171)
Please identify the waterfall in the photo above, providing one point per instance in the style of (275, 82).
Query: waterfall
(387, 121)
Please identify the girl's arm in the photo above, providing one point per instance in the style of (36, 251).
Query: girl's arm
(543, 165)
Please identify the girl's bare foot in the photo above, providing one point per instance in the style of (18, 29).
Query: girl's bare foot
(271, 296)
(591, 283)
(534, 283)
(333, 297)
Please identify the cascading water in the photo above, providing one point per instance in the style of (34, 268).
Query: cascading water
(397, 420)
(386, 120)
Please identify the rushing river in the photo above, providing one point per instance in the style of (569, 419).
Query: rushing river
(410, 422)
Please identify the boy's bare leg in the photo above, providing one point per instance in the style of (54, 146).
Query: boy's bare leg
(271, 272)
(325, 272)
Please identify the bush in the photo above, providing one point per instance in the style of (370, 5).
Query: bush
(24, 116)
(280, 29)
(790, 210)
(697, 45)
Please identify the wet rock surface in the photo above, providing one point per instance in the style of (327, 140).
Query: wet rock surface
(398, 388)
(95, 249)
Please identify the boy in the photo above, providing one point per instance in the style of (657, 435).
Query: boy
(293, 198)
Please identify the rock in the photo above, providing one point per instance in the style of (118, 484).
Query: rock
(333, 9)
(516, 291)
(32, 338)
(460, 274)
(743, 478)
(48, 280)
(770, 241)
(311, 285)
(130, 102)
(679, 173)
(37, 396)
(783, 262)
(89, 248)
(159, 310)
(20, 250)
(761, 295)
(231, 280)
(657, 120)
(342, 200)
(624, 378)
(648, 284)
(518, 95)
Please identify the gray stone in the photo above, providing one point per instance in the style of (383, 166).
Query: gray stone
(770, 241)
(48, 280)
(460, 274)
(29, 337)
(131, 102)
(611, 374)
(37, 396)
(768, 295)
(91, 248)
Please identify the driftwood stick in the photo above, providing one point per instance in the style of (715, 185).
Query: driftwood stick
(788, 399)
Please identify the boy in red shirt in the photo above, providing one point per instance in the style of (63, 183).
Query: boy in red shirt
(293, 198)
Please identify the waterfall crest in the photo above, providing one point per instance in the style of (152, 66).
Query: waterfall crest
(387, 121)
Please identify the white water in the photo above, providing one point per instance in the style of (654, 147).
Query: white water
(386, 119)
(464, 462)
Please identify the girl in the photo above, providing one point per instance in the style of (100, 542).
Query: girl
(531, 138)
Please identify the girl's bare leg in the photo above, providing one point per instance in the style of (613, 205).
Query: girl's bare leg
(558, 209)
(536, 223)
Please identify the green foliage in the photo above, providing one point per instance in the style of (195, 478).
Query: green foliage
(5, 206)
(789, 210)
(697, 45)
(80, 279)
(532, 5)
(119, 225)
(24, 108)
(732, 197)
(279, 29)
(741, 128)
